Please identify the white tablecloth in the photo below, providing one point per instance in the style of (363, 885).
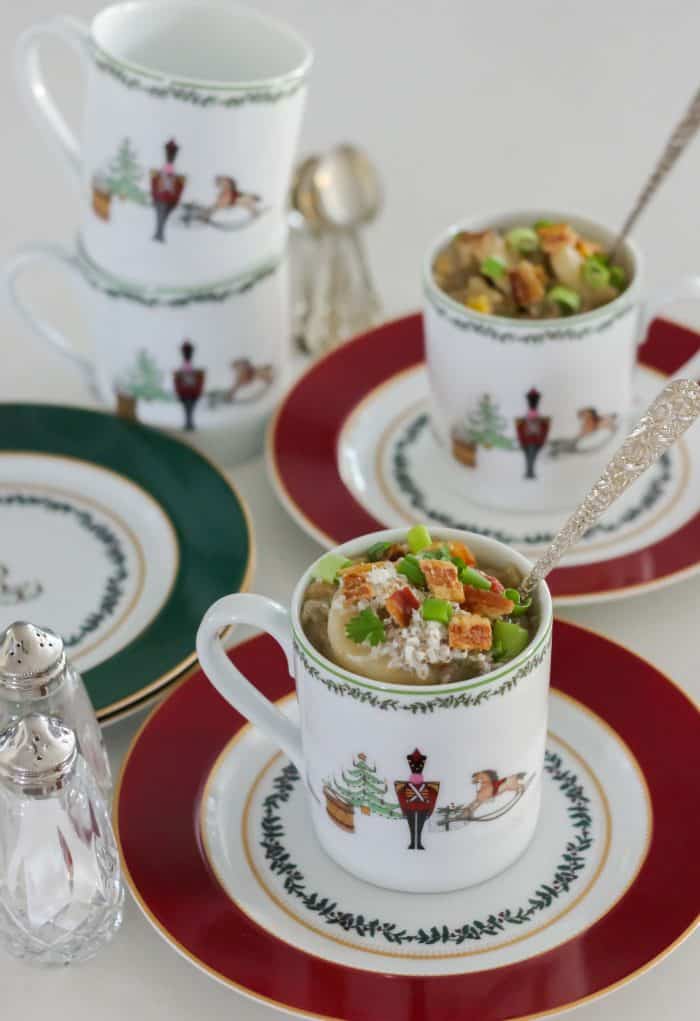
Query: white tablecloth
(466, 107)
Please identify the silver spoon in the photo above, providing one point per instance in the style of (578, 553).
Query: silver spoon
(348, 196)
(304, 218)
(666, 419)
(682, 135)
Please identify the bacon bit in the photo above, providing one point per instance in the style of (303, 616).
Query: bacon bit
(527, 286)
(556, 236)
(443, 579)
(496, 585)
(460, 549)
(401, 605)
(469, 631)
(486, 602)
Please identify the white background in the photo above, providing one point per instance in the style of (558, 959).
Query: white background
(466, 106)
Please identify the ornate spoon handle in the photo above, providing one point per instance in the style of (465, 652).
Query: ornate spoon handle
(665, 420)
(682, 134)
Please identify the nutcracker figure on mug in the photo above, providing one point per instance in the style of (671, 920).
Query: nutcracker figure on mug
(533, 430)
(166, 188)
(189, 383)
(417, 798)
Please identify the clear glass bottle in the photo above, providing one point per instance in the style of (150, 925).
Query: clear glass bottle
(61, 893)
(36, 676)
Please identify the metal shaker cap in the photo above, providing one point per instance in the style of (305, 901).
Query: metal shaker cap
(37, 754)
(32, 659)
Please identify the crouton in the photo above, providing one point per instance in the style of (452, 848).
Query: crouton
(486, 602)
(442, 578)
(461, 550)
(354, 583)
(468, 631)
(556, 235)
(526, 283)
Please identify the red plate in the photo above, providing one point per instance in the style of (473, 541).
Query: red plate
(302, 453)
(157, 808)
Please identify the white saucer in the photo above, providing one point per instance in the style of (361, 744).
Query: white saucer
(591, 841)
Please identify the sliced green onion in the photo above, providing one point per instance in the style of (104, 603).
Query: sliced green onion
(377, 551)
(497, 651)
(595, 272)
(468, 576)
(418, 538)
(493, 268)
(520, 608)
(513, 595)
(602, 257)
(523, 239)
(512, 637)
(618, 277)
(328, 567)
(437, 609)
(410, 567)
(569, 301)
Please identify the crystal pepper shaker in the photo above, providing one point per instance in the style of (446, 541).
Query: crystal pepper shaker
(61, 893)
(36, 676)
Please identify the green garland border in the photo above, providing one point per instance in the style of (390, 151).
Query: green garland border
(459, 700)
(407, 485)
(571, 863)
(113, 590)
(174, 298)
(486, 329)
(160, 87)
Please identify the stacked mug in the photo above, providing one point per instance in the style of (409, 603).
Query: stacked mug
(191, 120)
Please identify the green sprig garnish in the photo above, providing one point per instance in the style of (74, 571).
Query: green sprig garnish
(441, 553)
(365, 627)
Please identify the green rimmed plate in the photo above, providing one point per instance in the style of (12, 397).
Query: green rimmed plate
(118, 537)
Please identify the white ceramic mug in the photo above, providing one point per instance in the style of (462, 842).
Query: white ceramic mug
(530, 411)
(494, 722)
(191, 119)
(212, 360)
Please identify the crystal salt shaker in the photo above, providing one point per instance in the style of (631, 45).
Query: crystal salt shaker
(61, 893)
(36, 676)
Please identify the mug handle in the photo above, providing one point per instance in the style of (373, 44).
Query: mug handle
(684, 288)
(33, 88)
(243, 608)
(55, 255)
